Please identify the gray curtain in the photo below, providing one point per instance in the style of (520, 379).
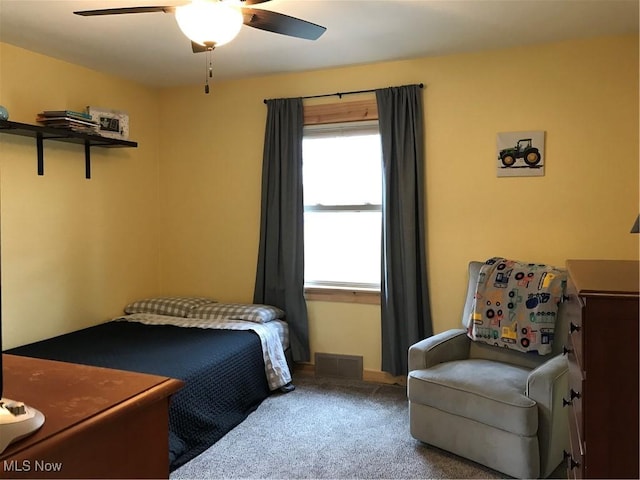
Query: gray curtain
(280, 272)
(406, 316)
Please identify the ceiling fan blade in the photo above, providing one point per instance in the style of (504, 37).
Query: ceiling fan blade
(253, 2)
(280, 23)
(197, 48)
(120, 11)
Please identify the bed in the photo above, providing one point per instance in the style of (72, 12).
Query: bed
(229, 364)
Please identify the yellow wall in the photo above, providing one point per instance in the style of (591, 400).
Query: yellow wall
(73, 250)
(180, 214)
(584, 94)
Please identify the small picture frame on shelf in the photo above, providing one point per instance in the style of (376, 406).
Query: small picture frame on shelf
(112, 123)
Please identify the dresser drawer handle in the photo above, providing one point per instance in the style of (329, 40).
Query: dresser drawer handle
(572, 394)
(572, 464)
(573, 327)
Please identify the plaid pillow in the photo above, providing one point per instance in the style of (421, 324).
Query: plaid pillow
(172, 306)
(237, 311)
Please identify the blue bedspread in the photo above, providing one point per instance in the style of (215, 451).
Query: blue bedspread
(223, 371)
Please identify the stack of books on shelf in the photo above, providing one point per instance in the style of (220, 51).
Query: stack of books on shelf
(75, 121)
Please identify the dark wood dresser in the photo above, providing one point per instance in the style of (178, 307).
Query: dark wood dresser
(602, 349)
(99, 422)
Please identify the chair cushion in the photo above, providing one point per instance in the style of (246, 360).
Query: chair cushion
(488, 392)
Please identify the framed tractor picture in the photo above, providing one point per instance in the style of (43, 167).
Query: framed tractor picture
(520, 154)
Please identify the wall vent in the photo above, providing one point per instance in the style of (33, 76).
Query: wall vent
(343, 366)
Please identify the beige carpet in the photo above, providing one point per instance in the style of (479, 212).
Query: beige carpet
(329, 429)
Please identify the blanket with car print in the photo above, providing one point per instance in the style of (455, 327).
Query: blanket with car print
(516, 305)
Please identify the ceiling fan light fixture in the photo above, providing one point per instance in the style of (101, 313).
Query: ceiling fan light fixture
(209, 22)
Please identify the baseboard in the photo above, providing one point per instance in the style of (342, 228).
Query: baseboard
(374, 376)
(383, 377)
(304, 368)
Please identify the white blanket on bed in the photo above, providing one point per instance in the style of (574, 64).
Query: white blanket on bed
(270, 333)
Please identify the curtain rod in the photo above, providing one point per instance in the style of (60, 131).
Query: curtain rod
(340, 94)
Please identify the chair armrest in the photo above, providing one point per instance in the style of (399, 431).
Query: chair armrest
(545, 378)
(546, 385)
(443, 347)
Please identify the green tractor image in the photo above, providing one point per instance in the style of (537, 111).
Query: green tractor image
(524, 150)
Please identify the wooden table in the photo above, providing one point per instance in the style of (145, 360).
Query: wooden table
(100, 423)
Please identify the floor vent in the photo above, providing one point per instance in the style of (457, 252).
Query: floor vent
(343, 366)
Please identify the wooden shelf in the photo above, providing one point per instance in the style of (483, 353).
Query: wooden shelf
(41, 133)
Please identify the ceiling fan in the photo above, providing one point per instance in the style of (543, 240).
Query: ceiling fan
(212, 23)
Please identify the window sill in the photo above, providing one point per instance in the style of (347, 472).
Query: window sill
(347, 295)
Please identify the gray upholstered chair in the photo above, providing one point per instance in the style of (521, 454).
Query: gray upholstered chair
(495, 406)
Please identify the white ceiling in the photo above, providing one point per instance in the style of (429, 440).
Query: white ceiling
(150, 49)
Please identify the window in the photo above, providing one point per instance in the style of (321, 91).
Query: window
(342, 176)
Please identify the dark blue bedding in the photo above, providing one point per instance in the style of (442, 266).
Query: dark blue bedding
(223, 371)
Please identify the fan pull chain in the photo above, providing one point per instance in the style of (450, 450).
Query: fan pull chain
(206, 77)
(209, 69)
(208, 59)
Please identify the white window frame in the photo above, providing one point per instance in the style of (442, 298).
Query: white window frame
(346, 291)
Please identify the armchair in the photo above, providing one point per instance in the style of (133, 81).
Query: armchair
(496, 406)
